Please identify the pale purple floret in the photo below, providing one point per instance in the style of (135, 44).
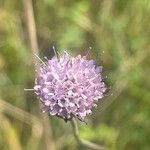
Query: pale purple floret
(69, 87)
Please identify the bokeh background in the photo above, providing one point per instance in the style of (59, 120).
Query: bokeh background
(118, 32)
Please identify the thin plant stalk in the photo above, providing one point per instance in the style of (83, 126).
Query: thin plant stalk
(30, 21)
(81, 141)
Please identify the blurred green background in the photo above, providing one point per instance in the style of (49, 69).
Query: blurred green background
(120, 28)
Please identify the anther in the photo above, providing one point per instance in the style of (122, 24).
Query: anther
(56, 53)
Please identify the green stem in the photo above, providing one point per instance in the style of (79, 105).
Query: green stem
(82, 141)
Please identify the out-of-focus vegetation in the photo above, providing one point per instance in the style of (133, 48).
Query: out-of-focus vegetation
(120, 28)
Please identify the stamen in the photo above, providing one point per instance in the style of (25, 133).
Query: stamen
(40, 59)
(45, 109)
(46, 58)
(56, 53)
(89, 49)
(29, 89)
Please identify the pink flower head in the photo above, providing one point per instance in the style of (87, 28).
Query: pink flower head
(69, 86)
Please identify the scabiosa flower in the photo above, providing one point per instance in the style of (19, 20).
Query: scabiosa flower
(69, 86)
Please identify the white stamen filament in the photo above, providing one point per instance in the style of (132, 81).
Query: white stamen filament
(40, 59)
(29, 89)
(56, 53)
